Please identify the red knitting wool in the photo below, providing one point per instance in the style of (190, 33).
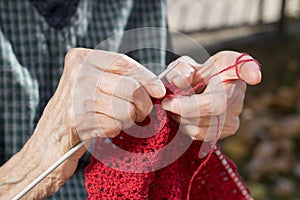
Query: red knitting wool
(189, 177)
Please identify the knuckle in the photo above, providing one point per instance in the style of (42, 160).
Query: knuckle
(133, 85)
(111, 130)
(185, 58)
(74, 58)
(126, 88)
(188, 60)
(223, 57)
(131, 112)
(71, 52)
(115, 129)
(142, 100)
(142, 112)
(216, 58)
(123, 60)
(148, 107)
(127, 65)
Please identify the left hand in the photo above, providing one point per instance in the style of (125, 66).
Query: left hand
(223, 94)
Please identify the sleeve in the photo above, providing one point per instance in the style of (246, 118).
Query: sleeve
(18, 101)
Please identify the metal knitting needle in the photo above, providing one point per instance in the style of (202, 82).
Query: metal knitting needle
(73, 149)
(49, 170)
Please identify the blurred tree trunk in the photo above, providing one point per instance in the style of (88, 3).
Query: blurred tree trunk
(260, 11)
(282, 21)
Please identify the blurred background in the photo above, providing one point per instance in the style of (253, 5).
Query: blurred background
(266, 148)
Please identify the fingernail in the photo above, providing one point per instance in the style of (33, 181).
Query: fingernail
(159, 91)
(251, 74)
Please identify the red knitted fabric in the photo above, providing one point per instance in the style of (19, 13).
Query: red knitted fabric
(217, 178)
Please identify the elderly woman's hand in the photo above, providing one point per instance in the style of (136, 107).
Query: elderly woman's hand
(222, 95)
(104, 92)
(99, 94)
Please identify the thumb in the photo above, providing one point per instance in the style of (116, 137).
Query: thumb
(249, 72)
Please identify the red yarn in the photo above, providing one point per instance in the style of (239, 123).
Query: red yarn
(204, 162)
(189, 177)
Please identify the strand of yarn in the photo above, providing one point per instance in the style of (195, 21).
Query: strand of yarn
(204, 162)
(236, 66)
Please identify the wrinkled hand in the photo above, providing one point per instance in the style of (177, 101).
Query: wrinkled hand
(111, 92)
(220, 97)
(99, 94)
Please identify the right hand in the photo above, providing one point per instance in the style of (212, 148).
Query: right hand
(111, 88)
(99, 94)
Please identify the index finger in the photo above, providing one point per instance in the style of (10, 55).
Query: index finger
(182, 75)
(124, 65)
